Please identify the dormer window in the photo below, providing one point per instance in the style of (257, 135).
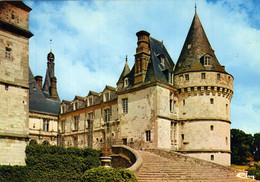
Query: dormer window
(106, 97)
(90, 101)
(75, 105)
(8, 52)
(206, 60)
(126, 82)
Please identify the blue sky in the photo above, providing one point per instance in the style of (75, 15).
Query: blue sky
(90, 40)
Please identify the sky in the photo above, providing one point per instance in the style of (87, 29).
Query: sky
(90, 40)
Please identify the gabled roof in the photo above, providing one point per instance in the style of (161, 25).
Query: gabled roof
(195, 47)
(109, 88)
(79, 98)
(125, 71)
(93, 93)
(37, 100)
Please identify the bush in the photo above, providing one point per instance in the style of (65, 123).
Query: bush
(255, 171)
(102, 174)
(52, 163)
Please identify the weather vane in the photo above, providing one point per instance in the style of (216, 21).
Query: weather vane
(51, 44)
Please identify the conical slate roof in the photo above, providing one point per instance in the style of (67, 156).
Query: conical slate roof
(194, 50)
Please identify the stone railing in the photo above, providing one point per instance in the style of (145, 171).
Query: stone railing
(129, 154)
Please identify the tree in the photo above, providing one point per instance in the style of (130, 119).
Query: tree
(256, 144)
(241, 146)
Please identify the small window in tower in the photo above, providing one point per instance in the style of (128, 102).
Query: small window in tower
(8, 53)
(211, 101)
(203, 75)
(148, 135)
(226, 140)
(6, 87)
(187, 77)
(212, 157)
(211, 127)
(183, 102)
(206, 60)
(182, 136)
(218, 76)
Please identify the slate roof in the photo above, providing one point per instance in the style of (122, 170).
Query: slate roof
(156, 72)
(196, 46)
(38, 102)
(125, 71)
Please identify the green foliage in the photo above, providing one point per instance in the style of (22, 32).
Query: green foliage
(241, 146)
(52, 163)
(102, 174)
(255, 171)
(257, 146)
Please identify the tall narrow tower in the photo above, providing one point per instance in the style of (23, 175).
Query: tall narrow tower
(14, 88)
(205, 92)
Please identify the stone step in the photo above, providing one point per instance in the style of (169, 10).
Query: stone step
(158, 168)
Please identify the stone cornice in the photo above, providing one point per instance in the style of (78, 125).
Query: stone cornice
(16, 30)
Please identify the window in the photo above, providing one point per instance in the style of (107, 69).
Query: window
(211, 101)
(182, 136)
(226, 140)
(126, 83)
(62, 126)
(8, 53)
(75, 105)
(6, 87)
(106, 96)
(183, 102)
(162, 60)
(218, 76)
(124, 141)
(45, 125)
(125, 105)
(206, 60)
(203, 75)
(211, 127)
(107, 115)
(76, 122)
(212, 157)
(75, 142)
(63, 109)
(148, 135)
(187, 77)
(90, 102)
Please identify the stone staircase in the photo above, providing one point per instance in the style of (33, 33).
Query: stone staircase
(169, 166)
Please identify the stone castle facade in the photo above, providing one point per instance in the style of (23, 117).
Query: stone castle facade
(184, 107)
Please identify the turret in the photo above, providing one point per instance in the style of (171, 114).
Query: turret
(205, 92)
(50, 83)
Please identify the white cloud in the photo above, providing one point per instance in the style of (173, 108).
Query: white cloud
(91, 39)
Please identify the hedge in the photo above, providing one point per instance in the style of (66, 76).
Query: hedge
(52, 163)
(102, 174)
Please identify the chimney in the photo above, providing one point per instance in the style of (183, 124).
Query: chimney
(142, 56)
(39, 81)
(54, 94)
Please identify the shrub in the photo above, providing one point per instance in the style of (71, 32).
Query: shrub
(255, 171)
(52, 163)
(102, 174)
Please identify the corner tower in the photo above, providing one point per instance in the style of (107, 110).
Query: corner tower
(205, 92)
(14, 88)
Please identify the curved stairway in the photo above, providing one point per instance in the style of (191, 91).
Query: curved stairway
(179, 168)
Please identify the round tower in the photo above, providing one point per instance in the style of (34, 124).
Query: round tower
(205, 91)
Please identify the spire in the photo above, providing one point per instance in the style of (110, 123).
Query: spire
(195, 50)
(125, 71)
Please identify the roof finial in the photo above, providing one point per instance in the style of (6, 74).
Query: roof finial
(51, 44)
(195, 6)
(126, 58)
